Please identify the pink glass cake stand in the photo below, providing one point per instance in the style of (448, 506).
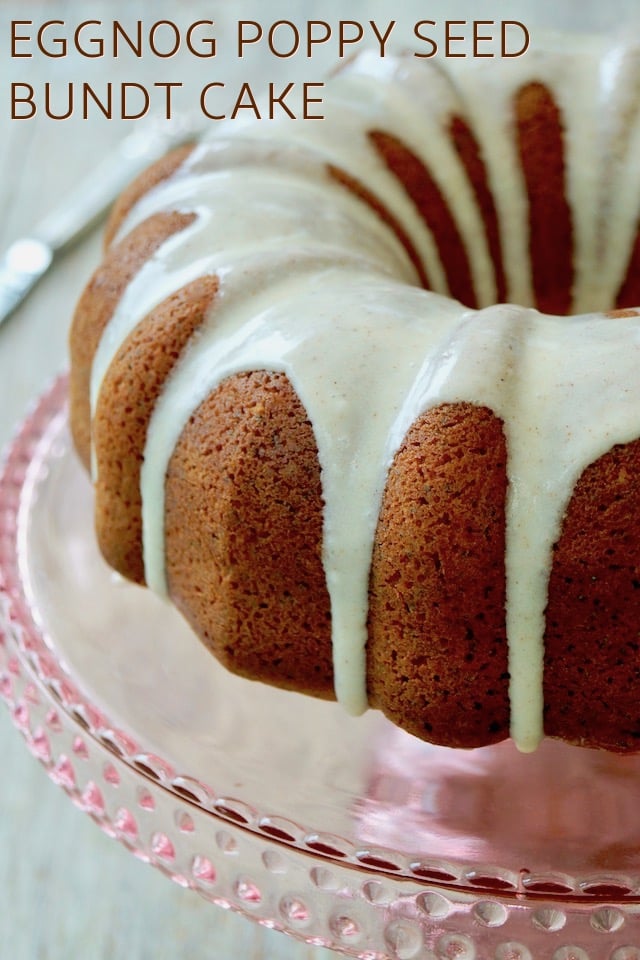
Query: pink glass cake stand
(344, 832)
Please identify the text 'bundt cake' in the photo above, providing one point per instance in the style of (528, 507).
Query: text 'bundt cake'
(316, 422)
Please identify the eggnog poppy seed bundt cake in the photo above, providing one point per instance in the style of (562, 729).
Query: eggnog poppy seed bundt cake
(317, 421)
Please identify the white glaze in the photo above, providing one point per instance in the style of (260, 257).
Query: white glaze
(298, 258)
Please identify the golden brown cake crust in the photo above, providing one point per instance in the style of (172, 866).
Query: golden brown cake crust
(428, 200)
(96, 307)
(470, 154)
(540, 141)
(244, 534)
(127, 400)
(592, 643)
(437, 653)
(149, 178)
(629, 293)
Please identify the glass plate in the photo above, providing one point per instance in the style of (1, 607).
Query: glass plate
(344, 832)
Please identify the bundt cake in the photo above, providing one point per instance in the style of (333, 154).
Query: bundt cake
(315, 420)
